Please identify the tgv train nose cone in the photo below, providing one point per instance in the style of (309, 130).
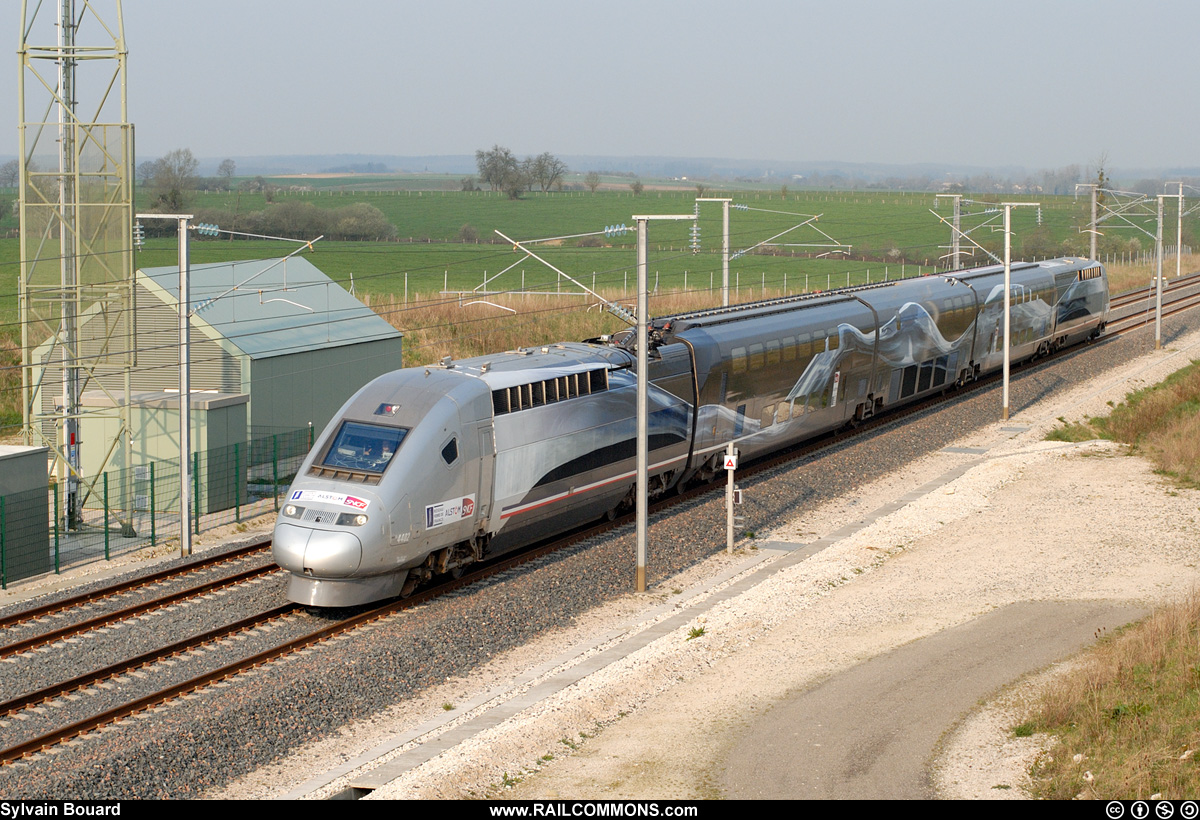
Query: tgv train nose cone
(320, 553)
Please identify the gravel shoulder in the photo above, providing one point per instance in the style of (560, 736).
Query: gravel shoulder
(1009, 517)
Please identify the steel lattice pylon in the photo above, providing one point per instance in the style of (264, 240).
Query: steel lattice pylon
(76, 288)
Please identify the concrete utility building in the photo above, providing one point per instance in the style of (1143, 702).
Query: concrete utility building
(292, 340)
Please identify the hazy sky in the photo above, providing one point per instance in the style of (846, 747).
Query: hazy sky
(1038, 83)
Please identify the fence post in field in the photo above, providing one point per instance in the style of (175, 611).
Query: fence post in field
(153, 523)
(237, 484)
(196, 486)
(106, 555)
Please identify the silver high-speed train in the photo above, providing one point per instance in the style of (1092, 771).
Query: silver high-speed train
(428, 469)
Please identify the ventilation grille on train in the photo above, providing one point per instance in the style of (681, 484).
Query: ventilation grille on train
(548, 391)
(344, 475)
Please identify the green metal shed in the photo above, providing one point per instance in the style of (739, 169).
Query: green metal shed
(278, 330)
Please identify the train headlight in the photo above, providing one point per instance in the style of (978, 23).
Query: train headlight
(292, 511)
(352, 519)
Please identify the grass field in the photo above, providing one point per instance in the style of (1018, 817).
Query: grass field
(880, 235)
(871, 223)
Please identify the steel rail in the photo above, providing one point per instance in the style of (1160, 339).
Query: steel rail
(136, 609)
(125, 586)
(145, 659)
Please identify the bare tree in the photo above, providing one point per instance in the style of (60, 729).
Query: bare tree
(592, 181)
(1102, 179)
(227, 169)
(547, 170)
(637, 187)
(495, 166)
(10, 172)
(174, 175)
(517, 181)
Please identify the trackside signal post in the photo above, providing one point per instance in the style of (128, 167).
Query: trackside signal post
(731, 462)
(643, 391)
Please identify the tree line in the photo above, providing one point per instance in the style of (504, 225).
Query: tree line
(303, 220)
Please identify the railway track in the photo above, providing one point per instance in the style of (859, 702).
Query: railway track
(313, 634)
(63, 606)
(1132, 297)
(1135, 309)
(133, 705)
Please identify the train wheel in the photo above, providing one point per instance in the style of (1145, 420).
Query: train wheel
(410, 585)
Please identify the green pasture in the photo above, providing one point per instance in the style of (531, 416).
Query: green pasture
(888, 234)
(424, 270)
(873, 224)
(881, 235)
(895, 231)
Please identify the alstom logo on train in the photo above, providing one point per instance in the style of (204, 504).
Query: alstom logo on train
(318, 497)
(447, 512)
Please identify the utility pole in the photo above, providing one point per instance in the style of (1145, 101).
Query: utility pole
(724, 244)
(1095, 194)
(1158, 281)
(1008, 206)
(185, 384)
(67, 196)
(1093, 228)
(956, 230)
(1179, 233)
(643, 390)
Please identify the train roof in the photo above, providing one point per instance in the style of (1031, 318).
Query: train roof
(735, 313)
(512, 367)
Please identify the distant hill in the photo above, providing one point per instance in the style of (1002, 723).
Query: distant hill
(785, 172)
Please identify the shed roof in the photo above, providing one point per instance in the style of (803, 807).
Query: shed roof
(273, 307)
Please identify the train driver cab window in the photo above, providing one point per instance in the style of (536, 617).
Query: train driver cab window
(450, 451)
(364, 447)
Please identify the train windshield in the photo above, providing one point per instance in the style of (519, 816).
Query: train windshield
(367, 447)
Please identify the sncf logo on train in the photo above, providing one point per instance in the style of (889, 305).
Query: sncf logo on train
(447, 512)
